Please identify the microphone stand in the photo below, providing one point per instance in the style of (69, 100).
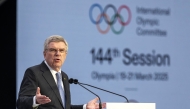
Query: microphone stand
(100, 104)
(71, 80)
(103, 90)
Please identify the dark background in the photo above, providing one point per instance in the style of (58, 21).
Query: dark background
(8, 49)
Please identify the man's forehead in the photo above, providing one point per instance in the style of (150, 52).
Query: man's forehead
(52, 44)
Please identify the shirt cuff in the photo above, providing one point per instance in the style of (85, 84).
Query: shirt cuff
(34, 103)
(84, 106)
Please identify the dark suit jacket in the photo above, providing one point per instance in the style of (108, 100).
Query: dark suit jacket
(40, 76)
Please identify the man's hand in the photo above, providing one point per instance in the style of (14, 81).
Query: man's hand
(94, 105)
(41, 99)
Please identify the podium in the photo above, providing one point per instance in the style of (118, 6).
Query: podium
(130, 105)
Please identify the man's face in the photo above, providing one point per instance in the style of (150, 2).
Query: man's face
(55, 55)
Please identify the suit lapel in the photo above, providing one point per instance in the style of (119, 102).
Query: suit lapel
(66, 88)
(50, 80)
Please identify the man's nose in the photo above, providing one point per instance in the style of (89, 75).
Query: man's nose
(57, 52)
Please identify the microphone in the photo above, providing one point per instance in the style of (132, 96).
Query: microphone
(75, 81)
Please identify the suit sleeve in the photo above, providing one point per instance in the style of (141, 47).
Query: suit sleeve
(27, 90)
(76, 106)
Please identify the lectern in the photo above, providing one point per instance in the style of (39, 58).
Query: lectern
(130, 105)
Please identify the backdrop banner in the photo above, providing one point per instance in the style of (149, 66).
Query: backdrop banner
(139, 49)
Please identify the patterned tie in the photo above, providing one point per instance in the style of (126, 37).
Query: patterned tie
(61, 91)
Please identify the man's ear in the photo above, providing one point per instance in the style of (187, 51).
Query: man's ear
(44, 53)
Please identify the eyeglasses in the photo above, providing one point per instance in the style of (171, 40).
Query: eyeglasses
(53, 50)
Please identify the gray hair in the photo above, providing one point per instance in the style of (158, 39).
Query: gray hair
(55, 38)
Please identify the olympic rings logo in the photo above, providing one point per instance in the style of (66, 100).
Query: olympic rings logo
(107, 19)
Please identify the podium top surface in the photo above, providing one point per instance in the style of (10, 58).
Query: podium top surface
(130, 105)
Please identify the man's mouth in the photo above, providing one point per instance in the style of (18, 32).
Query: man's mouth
(57, 59)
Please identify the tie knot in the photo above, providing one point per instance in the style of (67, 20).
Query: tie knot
(58, 75)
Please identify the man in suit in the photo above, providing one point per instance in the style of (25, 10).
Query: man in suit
(39, 87)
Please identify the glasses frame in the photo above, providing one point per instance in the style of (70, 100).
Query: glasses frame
(53, 50)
